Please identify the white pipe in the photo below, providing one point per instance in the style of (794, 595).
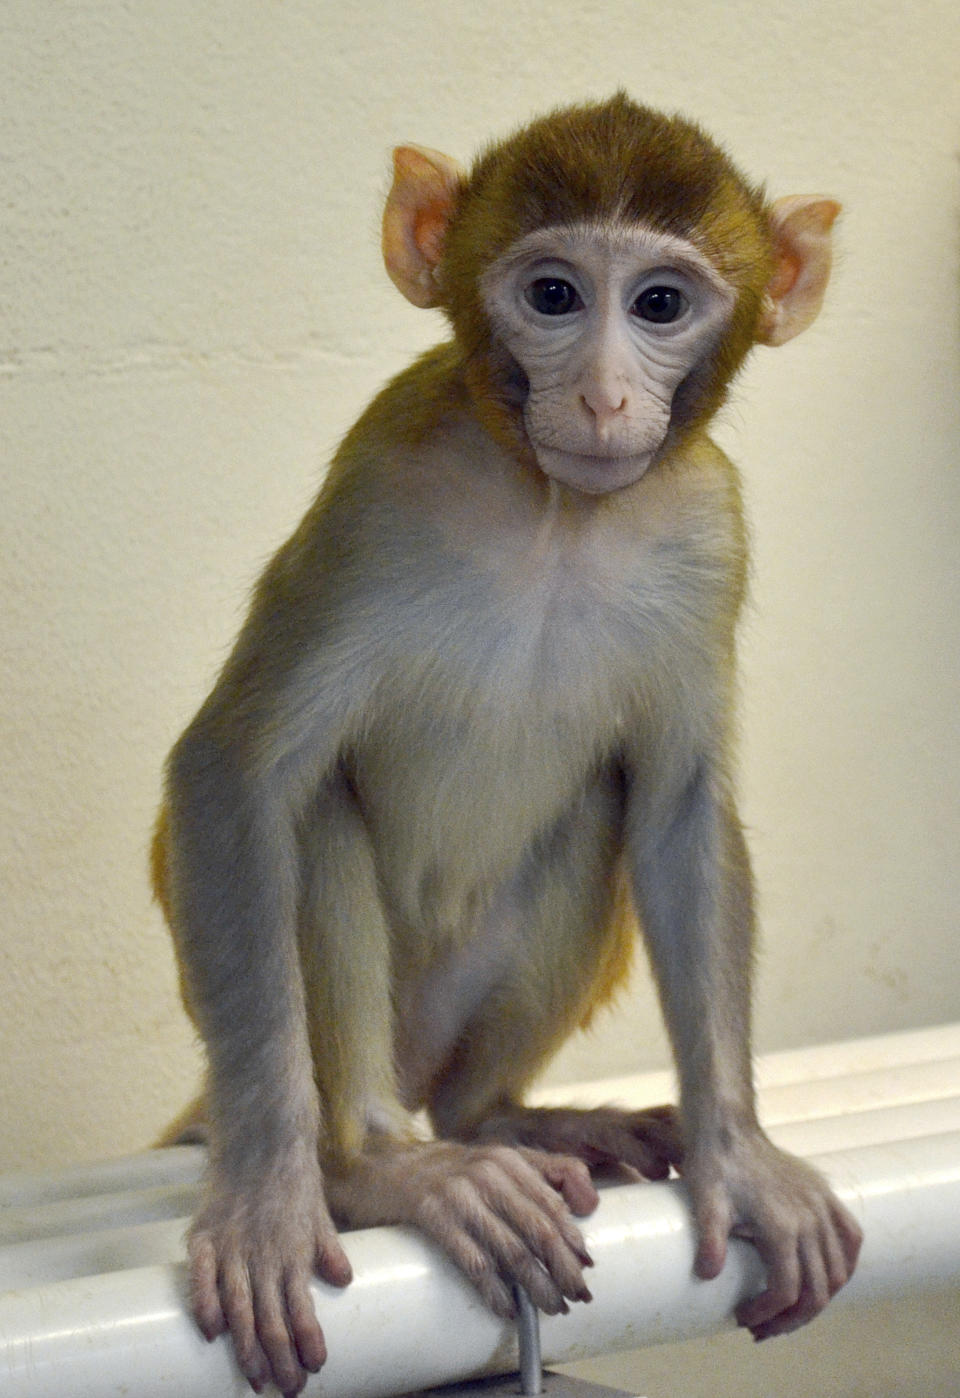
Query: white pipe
(817, 1063)
(45, 1260)
(788, 1100)
(410, 1321)
(100, 1237)
(871, 1127)
(175, 1165)
(820, 1063)
(857, 1109)
(65, 1216)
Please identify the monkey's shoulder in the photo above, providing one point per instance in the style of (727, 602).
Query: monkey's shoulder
(411, 407)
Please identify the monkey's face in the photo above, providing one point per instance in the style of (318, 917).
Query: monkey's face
(606, 321)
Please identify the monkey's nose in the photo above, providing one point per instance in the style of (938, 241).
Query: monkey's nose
(604, 404)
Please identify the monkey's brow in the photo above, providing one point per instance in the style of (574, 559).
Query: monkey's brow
(560, 238)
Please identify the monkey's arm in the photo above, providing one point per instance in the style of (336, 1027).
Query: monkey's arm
(231, 887)
(255, 768)
(694, 893)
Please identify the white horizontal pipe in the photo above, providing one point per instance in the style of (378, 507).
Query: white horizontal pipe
(182, 1165)
(871, 1127)
(114, 1230)
(410, 1321)
(800, 1100)
(119, 1249)
(65, 1216)
(124, 1238)
(175, 1165)
(815, 1064)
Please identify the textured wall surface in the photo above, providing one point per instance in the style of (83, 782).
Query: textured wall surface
(192, 311)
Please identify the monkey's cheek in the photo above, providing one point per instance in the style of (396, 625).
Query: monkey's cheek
(593, 475)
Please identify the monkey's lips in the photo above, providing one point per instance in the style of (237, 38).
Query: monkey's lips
(594, 475)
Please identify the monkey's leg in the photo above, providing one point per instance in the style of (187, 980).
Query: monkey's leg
(473, 1026)
(346, 962)
(482, 1099)
(577, 936)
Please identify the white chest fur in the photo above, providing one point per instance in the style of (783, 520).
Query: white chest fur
(543, 640)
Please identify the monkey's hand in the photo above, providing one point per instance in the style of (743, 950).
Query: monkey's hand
(252, 1252)
(503, 1215)
(807, 1240)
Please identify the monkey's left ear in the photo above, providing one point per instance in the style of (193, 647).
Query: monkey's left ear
(418, 209)
(801, 241)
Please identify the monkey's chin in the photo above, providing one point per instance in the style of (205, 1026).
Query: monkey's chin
(593, 475)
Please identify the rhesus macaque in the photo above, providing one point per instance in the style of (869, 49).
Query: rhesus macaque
(476, 725)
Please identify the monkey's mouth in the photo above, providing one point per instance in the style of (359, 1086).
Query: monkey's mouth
(593, 474)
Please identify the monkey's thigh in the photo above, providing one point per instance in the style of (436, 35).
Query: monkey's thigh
(565, 921)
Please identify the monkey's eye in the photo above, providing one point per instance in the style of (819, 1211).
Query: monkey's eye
(660, 304)
(552, 296)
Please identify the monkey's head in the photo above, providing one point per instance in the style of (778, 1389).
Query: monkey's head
(605, 270)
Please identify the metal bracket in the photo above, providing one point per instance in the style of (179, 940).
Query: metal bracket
(532, 1379)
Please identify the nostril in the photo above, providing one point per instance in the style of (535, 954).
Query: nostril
(604, 404)
(602, 409)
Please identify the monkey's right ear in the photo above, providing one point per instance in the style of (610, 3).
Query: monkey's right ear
(418, 210)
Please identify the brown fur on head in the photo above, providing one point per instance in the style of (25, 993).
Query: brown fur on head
(613, 161)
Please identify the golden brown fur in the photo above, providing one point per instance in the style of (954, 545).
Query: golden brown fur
(479, 715)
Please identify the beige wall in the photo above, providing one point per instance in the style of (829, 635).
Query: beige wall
(192, 310)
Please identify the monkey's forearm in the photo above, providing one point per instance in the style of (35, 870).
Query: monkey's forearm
(232, 887)
(695, 895)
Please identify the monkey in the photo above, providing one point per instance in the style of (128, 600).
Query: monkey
(474, 742)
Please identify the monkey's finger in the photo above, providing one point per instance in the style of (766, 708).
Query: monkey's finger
(236, 1298)
(713, 1221)
(524, 1227)
(530, 1237)
(813, 1295)
(633, 1147)
(524, 1169)
(331, 1262)
(525, 1252)
(204, 1294)
(834, 1257)
(276, 1340)
(666, 1113)
(785, 1282)
(660, 1128)
(569, 1176)
(474, 1260)
(304, 1326)
(849, 1232)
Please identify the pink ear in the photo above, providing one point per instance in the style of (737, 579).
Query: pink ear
(418, 209)
(802, 253)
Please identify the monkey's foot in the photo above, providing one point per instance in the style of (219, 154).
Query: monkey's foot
(502, 1215)
(648, 1141)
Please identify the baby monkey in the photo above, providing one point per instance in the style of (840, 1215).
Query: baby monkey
(477, 727)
